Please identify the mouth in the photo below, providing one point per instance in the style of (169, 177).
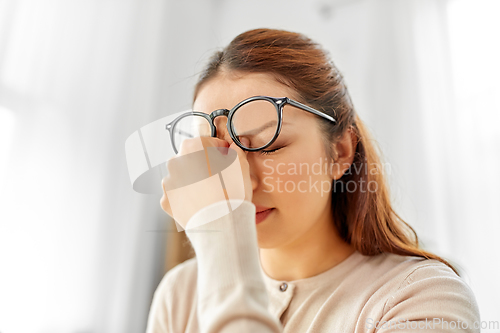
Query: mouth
(261, 215)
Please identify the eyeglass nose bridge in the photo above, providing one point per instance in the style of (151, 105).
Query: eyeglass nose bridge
(215, 114)
(220, 112)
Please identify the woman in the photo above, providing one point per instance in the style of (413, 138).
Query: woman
(328, 253)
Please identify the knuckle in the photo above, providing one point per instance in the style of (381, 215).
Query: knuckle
(169, 164)
(166, 183)
(165, 205)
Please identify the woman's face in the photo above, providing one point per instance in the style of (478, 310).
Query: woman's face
(285, 179)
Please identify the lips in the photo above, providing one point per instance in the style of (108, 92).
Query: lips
(259, 209)
(262, 213)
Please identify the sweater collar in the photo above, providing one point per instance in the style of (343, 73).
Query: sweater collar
(337, 271)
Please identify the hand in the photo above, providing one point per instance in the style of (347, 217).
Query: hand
(194, 177)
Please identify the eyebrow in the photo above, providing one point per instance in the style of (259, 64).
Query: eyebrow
(263, 127)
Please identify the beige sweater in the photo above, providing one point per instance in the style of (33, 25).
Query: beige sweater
(224, 289)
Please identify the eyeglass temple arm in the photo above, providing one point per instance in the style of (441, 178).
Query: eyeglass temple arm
(169, 128)
(310, 109)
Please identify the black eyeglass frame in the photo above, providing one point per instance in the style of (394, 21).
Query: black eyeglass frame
(278, 102)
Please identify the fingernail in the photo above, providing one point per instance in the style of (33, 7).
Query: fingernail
(223, 150)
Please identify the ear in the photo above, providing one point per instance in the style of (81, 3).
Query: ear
(343, 152)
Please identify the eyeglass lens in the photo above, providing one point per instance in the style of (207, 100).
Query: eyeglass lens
(256, 120)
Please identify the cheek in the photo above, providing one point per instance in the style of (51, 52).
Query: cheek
(300, 206)
(296, 182)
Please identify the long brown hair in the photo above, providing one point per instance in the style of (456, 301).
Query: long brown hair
(364, 219)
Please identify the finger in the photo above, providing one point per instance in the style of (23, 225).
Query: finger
(209, 143)
(221, 145)
(163, 181)
(201, 143)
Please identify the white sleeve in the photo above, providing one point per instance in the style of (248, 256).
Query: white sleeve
(232, 296)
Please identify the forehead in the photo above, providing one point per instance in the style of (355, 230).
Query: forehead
(229, 88)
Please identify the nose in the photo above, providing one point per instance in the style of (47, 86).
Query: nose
(252, 168)
(221, 125)
(222, 133)
(251, 165)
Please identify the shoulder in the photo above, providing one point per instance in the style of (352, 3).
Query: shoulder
(432, 277)
(403, 270)
(428, 288)
(416, 272)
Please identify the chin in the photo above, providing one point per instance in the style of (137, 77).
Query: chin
(268, 240)
(263, 239)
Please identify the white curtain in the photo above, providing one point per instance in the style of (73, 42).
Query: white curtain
(81, 252)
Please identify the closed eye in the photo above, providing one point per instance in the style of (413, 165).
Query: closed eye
(268, 152)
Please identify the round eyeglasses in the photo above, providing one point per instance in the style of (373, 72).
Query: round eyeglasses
(258, 118)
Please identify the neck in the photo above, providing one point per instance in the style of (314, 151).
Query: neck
(315, 252)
